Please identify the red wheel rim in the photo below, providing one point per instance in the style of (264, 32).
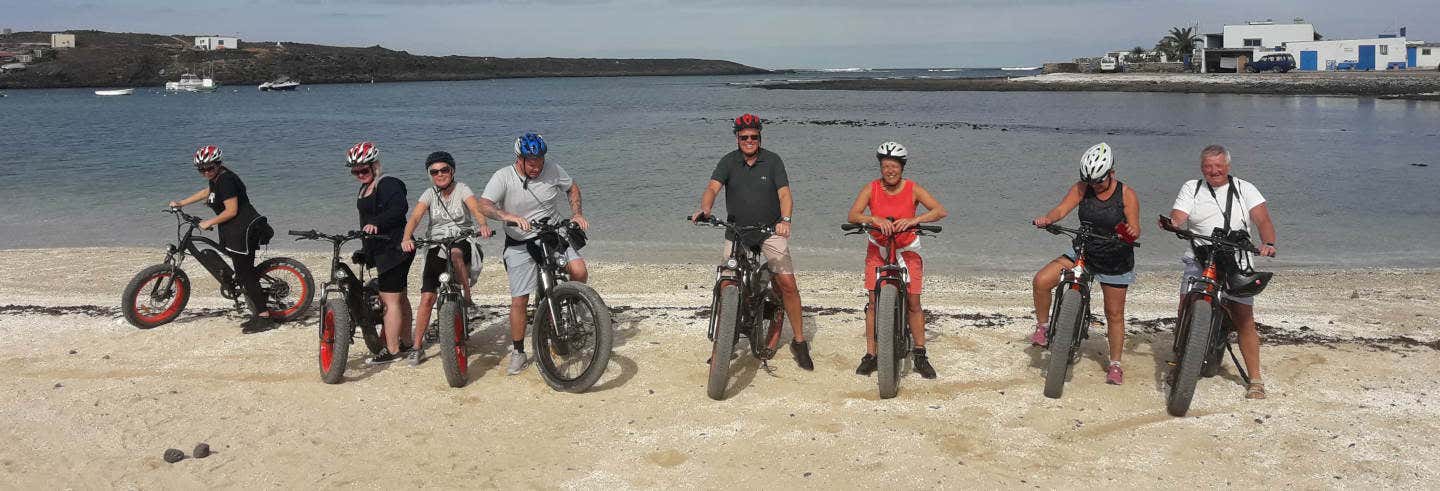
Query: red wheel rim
(299, 280)
(327, 341)
(459, 329)
(170, 310)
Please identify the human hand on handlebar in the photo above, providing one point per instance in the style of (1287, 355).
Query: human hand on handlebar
(1041, 222)
(370, 229)
(519, 222)
(1165, 223)
(485, 230)
(783, 229)
(1267, 250)
(407, 245)
(700, 216)
(885, 226)
(205, 225)
(905, 224)
(175, 204)
(580, 220)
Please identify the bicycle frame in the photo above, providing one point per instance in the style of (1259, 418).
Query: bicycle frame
(745, 268)
(187, 243)
(893, 273)
(1207, 287)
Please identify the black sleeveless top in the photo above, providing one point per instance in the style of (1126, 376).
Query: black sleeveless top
(1106, 257)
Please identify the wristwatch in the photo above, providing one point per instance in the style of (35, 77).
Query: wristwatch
(1271, 244)
(785, 219)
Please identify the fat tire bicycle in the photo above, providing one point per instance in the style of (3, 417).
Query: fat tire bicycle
(1070, 315)
(347, 300)
(743, 303)
(893, 341)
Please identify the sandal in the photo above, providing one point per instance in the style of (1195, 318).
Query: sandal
(1256, 390)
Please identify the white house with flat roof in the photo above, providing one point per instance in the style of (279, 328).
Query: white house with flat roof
(1350, 54)
(1266, 35)
(59, 40)
(1422, 55)
(212, 43)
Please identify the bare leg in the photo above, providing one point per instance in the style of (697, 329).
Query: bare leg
(870, 325)
(1115, 319)
(1243, 316)
(422, 316)
(916, 319)
(394, 319)
(462, 272)
(578, 271)
(517, 317)
(1044, 283)
(790, 295)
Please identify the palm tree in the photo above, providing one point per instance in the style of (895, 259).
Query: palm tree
(1181, 41)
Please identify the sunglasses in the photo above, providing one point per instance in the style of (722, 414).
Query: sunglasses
(1096, 181)
(360, 171)
(747, 137)
(206, 169)
(442, 170)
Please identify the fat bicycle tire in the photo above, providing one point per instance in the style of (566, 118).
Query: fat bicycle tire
(1197, 329)
(336, 332)
(727, 314)
(134, 300)
(568, 296)
(292, 304)
(1066, 326)
(888, 351)
(454, 354)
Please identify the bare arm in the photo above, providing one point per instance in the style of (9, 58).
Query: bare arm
(857, 210)
(1260, 214)
(786, 203)
(934, 211)
(199, 195)
(474, 206)
(406, 244)
(1067, 204)
(707, 200)
(232, 208)
(488, 208)
(1132, 212)
(577, 215)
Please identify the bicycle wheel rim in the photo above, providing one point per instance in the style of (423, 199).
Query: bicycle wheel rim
(166, 308)
(294, 281)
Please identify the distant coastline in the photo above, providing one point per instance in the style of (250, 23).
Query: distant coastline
(105, 59)
(1417, 85)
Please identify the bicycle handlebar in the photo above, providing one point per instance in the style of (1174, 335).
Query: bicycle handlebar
(312, 234)
(182, 216)
(1057, 230)
(443, 240)
(1188, 235)
(858, 227)
(711, 221)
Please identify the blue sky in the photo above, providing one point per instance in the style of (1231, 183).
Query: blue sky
(774, 34)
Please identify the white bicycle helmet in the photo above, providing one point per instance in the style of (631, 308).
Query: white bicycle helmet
(363, 153)
(1096, 162)
(892, 150)
(207, 155)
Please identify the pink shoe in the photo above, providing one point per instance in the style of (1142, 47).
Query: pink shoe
(1114, 375)
(1038, 339)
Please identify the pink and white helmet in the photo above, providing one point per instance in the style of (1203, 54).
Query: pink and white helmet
(363, 153)
(207, 155)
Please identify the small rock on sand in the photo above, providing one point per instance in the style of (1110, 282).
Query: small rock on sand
(173, 455)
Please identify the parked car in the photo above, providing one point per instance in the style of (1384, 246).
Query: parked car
(1108, 64)
(1278, 62)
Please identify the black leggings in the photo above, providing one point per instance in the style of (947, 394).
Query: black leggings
(248, 280)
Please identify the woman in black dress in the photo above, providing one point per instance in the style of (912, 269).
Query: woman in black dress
(242, 229)
(382, 205)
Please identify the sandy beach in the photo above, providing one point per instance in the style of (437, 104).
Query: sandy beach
(1415, 84)
(1349, 360)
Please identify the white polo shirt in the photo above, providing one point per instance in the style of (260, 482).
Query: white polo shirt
(1207, 211)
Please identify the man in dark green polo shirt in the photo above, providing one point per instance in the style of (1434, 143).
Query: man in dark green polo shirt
(757, 192)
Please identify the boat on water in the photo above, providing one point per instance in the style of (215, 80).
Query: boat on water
(190, 82)
(114, 92)
(279, 84)
(1020, 68)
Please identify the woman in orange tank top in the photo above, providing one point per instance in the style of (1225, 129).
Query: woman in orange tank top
(892, 203)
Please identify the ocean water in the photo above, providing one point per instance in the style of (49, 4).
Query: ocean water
(1339, 173)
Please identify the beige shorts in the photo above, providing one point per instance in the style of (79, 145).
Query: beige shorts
(777, 254)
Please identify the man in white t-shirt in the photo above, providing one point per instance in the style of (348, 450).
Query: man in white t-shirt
(1200, 207)
(529, 190)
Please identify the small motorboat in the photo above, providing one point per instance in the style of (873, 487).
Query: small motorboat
(279, 84)
(1019, 68)
(189, 82)
(114, 92)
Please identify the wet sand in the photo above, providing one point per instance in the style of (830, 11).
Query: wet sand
(1350, 358)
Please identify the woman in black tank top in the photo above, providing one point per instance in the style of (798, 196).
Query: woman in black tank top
(1107, 206)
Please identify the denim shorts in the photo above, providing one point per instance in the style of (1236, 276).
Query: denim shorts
(1123, 279)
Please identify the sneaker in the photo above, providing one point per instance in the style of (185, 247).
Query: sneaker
(867, 366)
(922, 364)
(413, 358)
(1114, 375)
(518, 362)
(382, 359)
(257, 324)
(801, 350)
(1038, 339)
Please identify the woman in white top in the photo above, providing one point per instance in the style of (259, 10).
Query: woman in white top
(452, 209)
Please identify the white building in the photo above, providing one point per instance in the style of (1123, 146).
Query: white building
(1422, 55)
(212, 43)
(1266, 35)
(1353, 54)
(62, 40)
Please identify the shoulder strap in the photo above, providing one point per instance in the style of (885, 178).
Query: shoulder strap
(1229, 201)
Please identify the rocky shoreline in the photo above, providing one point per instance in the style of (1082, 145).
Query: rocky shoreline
(104, 59)
(1416, 85)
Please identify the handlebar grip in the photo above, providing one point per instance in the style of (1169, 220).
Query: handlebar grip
(850, 226)
(512, 224)
(300, 232)
(928, 228)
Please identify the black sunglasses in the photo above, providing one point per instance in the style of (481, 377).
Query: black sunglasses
(207, 168)
(747, 137)
(442, 170)
(360, 171)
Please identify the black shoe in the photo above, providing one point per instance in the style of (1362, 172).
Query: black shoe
(801, 350)
(867, 366)
(382, 358)
(256, 324)
(922, 364)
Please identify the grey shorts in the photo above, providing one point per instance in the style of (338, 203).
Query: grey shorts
(1123, 279)
(1192, 270)
(521, 268)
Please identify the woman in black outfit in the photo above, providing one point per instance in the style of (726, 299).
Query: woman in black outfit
(382, 204)
(241, 229)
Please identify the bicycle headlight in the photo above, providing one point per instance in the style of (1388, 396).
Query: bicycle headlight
(731, 263)
(338, 275)
(444, 278)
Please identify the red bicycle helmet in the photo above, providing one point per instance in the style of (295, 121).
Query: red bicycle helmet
(363, 153)
(207, 155)
(747, 120)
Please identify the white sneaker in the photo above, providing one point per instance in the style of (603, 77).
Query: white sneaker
(518, 362)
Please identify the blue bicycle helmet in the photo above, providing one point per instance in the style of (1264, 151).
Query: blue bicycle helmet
(530, 145)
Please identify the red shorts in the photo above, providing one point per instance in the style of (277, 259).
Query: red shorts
(913, 263)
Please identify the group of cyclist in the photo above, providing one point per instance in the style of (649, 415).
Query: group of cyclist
(757, 193)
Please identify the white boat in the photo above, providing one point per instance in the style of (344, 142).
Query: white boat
(192, 83)
(1020, 68)
(279, 84)
(114, 92)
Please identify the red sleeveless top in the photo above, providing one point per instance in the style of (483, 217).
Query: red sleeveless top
(899, 205)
